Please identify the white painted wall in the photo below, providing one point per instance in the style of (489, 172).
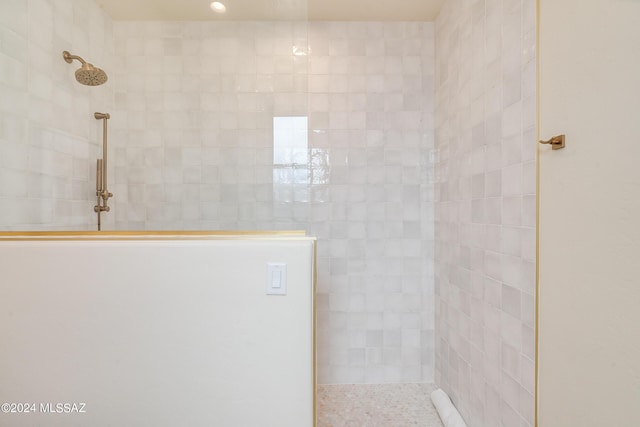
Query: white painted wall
(589, 348)
(157, 333)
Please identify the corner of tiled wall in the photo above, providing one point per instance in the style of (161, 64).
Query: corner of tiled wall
(485, 209)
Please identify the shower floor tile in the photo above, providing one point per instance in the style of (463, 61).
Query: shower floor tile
(376, 405)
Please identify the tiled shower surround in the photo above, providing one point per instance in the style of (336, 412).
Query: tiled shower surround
(191, 140)
(195, 109)
(48, 136)
(196, 147)
(485, 209)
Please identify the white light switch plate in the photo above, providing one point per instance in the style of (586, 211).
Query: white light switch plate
(276, 278)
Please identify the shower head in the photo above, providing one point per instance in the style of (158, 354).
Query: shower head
(91, 76)
(87, 74)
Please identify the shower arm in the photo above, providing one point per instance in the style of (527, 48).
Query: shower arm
(69, 58)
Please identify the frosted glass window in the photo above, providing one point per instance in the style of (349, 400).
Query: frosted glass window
(290, 150)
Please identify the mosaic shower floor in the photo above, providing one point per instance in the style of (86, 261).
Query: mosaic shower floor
(376, 405)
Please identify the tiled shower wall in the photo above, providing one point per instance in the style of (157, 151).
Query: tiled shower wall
(194, 149)
(371, 112)
(193, 126)
(49, 139)
(485, 209)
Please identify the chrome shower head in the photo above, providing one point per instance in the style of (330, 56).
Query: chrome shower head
(87, 74)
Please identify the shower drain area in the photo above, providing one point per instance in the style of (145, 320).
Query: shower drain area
(374, 405)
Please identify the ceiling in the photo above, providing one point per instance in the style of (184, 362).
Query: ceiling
(315, 10)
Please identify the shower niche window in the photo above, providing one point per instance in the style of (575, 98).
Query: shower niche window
(291, 159)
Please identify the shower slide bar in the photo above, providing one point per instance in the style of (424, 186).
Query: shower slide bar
(102, 192)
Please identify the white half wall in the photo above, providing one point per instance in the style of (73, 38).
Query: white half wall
(157, 332)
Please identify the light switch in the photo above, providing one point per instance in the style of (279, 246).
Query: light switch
(276, 281)
(276, 278)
